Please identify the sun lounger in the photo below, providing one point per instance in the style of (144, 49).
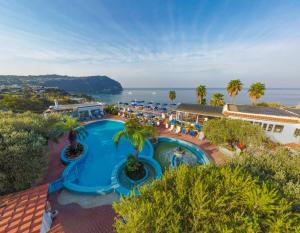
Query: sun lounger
(172, 127)
(178, 129)
(167, 125)
(192, 133)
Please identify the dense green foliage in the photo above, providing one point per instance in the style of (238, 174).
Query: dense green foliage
(29, 101)
(201, 94)
(234, 87)
(23, 138)
(233, 132)
(278, 167)
(111, 109)
(172, 95)
(217, 99)
(256, 91)
(206, 199)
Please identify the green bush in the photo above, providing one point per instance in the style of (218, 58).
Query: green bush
(23, 139)
(233, 132)
(280, 168)
(205, 199)
(110, 109)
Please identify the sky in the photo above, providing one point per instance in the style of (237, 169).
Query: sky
(154, 43)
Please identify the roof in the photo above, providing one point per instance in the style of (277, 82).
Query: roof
(294, 110)
(75, 106)
(23, 211)
(260, 110)
(201, 109)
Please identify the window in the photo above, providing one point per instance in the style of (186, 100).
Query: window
(297, 132)
(265, 126)
(258, 123)
(278, 128)
(270, 127)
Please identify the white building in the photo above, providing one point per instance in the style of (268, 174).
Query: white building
(84, 111)
(280, 125)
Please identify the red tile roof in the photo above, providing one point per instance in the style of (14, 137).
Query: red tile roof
(23, 211)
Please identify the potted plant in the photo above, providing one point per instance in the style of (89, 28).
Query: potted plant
(137, 133)
(75, 131)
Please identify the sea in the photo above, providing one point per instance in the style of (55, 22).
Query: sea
(285, 96)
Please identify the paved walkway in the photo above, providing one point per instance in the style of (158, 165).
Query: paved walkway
(74, 219)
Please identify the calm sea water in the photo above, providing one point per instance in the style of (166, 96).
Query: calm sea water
(290, 97)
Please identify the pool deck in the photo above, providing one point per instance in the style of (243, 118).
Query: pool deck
(72, 217)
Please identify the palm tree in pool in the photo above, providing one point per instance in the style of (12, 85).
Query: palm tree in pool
(172, 95)
(256, 91)
(137, 133)
(217, 99)
(201, 94)
(233, 88)
(75, 131)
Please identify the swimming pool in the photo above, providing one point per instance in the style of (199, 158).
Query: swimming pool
(166, 146)
(93, 172)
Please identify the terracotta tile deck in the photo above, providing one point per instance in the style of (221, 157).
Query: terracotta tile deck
(72, 218)
(23, 211)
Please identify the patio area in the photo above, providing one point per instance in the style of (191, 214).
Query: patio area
(74, 218)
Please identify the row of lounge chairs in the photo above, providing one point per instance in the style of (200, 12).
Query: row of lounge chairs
(185, 131)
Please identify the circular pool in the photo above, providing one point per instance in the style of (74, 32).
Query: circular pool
(94, 172)
(166, 148)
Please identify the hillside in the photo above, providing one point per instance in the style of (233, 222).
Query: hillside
(87, 84)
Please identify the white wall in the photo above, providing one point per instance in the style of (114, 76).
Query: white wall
(286, 136)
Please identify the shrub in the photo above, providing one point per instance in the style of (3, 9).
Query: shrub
(277, 167)
(134, 169)
(233, 132)
(205, 199)
(23, 138)
(110, 109)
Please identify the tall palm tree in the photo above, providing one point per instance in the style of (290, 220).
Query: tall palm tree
(256, 91)
(76, 130)
(172, 95)
(201, 94)
(217, 99)
(233, 88)
(136, 133)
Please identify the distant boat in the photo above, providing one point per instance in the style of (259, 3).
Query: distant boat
(129, 93)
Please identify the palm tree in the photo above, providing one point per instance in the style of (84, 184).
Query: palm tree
(233, 88)
(217, 99)
(136, 133)
(256, 91)
(76, 130)
(201, 93)
(172, 95)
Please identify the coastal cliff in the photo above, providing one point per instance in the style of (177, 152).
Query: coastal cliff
(84, 84)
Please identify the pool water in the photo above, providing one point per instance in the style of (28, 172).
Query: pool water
(166, 147)
(103, 155)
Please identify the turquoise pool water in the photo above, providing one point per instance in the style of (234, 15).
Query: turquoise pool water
(93, 173)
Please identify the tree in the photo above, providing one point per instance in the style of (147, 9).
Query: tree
(256, 91)
(217, 99)
(205, 199)
(136, 133)
(201, 94)
(172, 95)
(233, 88)
(232, 132)
(75, 129)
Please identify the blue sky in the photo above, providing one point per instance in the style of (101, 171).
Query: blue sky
(154, 43)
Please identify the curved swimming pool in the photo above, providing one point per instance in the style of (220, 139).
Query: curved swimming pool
(166, 146)
(93, 172)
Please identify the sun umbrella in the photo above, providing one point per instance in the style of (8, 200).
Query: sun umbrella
(130, 110)
(125, 103)
(173, 122)
(198, 127)
(140, 114)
